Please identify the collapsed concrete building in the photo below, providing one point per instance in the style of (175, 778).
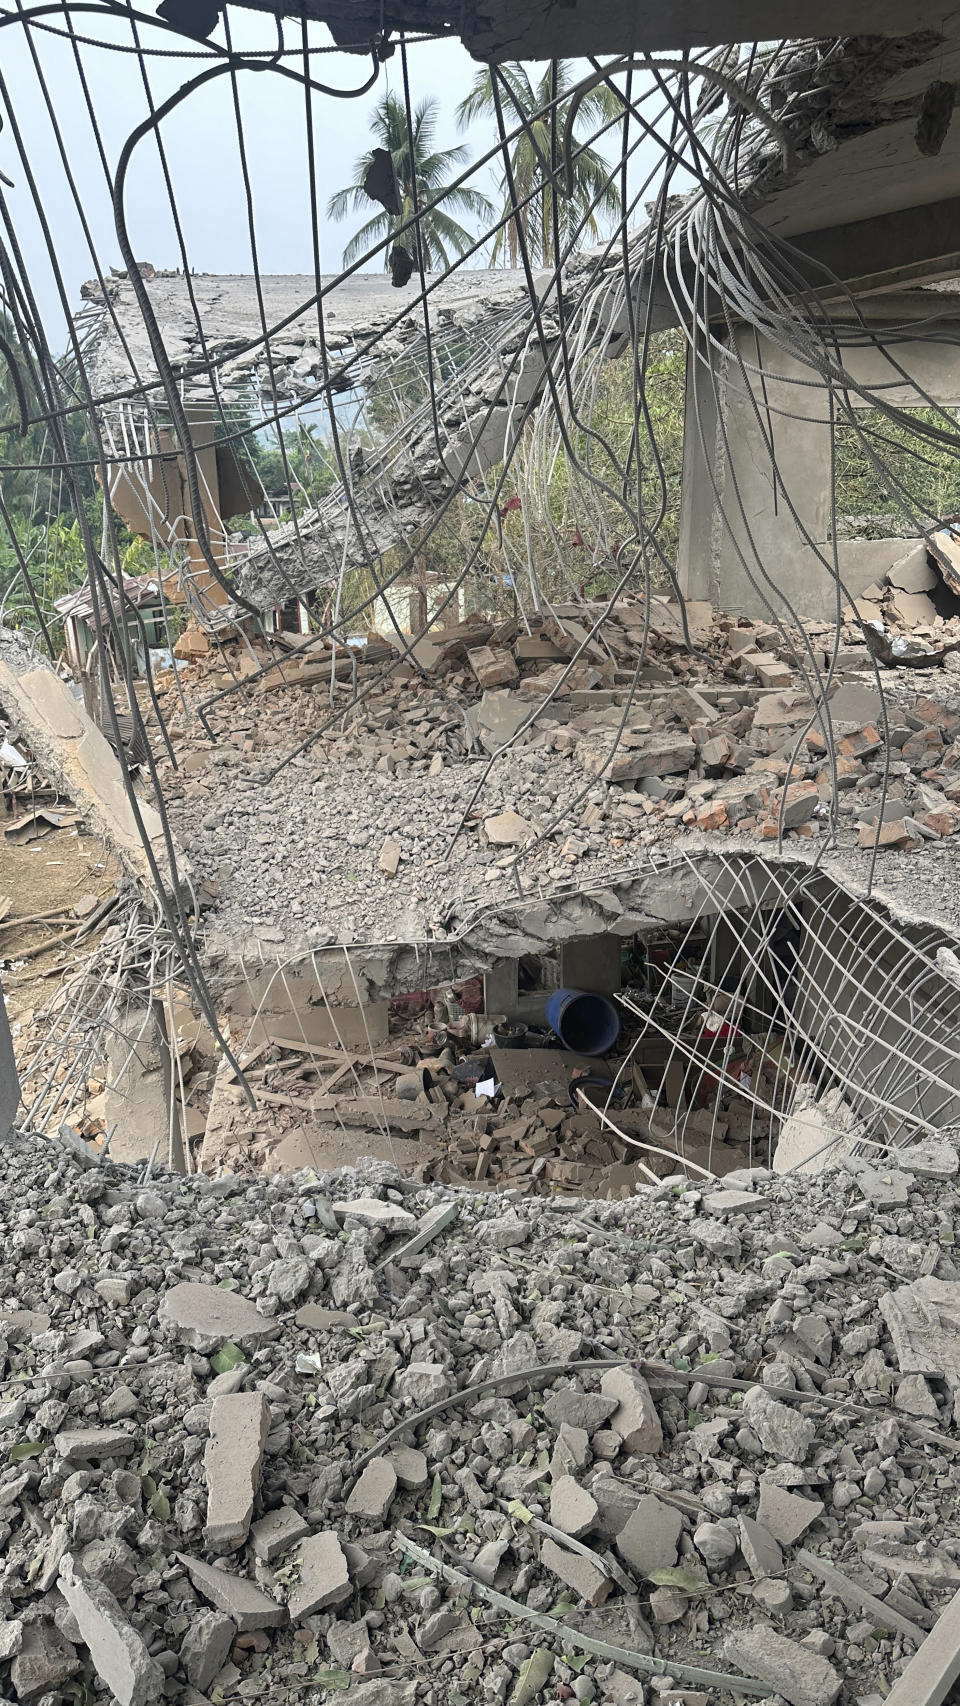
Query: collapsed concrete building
(604, 902)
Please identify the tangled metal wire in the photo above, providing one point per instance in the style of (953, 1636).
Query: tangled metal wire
(497, 403)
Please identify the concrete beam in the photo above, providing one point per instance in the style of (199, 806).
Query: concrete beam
(909, 246)
(498, 30)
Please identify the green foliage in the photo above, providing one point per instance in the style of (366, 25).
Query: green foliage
(419, 166)
(594, 204)
(913, 470)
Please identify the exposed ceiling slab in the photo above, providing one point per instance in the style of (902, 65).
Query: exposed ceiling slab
(499, 30)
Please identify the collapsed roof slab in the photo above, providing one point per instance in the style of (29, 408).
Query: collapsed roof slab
(77, 758)
(497, 30)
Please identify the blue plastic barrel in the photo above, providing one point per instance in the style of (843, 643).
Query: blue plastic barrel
(585, 1023)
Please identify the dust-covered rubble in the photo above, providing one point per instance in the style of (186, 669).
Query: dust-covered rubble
(571, 749)
(760, 1429)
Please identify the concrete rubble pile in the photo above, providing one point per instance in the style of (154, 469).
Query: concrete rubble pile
(205, 1496)
(727, 740)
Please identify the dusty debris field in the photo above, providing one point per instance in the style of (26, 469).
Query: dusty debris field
(243, 1457)
(559, 749)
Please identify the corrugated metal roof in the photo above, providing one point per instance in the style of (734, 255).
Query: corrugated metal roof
(138, 589)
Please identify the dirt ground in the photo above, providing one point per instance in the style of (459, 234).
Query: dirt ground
(50, 875)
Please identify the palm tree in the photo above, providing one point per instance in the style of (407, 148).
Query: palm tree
(594, 200)
(416, 161)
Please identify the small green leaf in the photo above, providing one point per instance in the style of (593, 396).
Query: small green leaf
(26, 1448)
(312, 1653)
(431, 1528)
(518, 1510)
(160, 1506)
(332, 1678)
(436, 1498)
(228, 1285)
(532, 1676)
(685, 1580)
(576, 1661)
(562, 1608)
(230, 1357)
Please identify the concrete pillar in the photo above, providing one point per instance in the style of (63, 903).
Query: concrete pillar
(735, 521)
(755, 403)
(139, 1087)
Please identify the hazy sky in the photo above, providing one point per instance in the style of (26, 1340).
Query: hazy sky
(201, 142)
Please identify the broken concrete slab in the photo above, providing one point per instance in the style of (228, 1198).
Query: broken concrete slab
(319, 1320)
(885, 1186)
(44, 1662)
(760, 1549)
(913, 572)
(370, 1211)
(206, 1647)
(923, 1319)
(507, 829)
(85, 1445)
(799, 1675)
(783, 1514)
(579, 1573)
(650, 1539)
(274, 1533)
(203, 1317)
(571, 1507)
(635, 1419)
(249, 1607)
(324, 1579)
(239, 1425)
(782, 1431)
(410, 1468)
(374, 1492)
(586, 1410)
(118, 1652)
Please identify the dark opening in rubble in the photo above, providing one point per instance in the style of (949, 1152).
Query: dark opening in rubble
(768, 1017)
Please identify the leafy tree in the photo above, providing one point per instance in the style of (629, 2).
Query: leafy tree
(417, 163)
(594, 201)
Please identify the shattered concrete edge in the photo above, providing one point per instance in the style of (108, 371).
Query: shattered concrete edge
(77, 757)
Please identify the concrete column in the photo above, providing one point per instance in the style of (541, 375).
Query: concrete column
(139, 1087)
(756, 402)
(734, 518)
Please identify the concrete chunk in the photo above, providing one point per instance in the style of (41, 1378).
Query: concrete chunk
(785, 1515)
(370, 1211)
(80, 1445)
(651, 1536)
(206, 1647)
(761, 1552)
(205, 1316)
(239, 1425)
(587, 1582)
(586, 1410)
(800, 1676)
(324, 1578)
(319, 1320)
(782, 1431)
(571, 1507)
(240, 1599)
(375, 1491)
(45, 1661)
(118, 1652)
(276, 1531)
(410, 1467)
(635, 1419)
